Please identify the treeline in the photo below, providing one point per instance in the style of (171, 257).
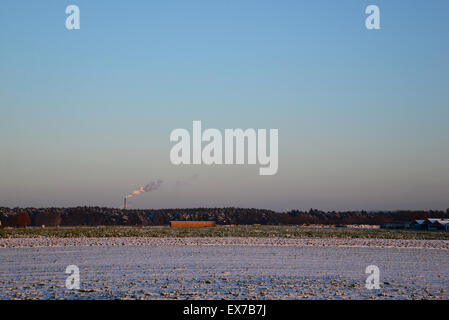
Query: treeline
(97, 216)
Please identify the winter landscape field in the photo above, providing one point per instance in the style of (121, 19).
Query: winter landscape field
(223, 268)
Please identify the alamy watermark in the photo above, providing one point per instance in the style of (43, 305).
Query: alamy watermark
(73, 281)
(373, 280)
(372, 22)
(72, 22)
(191, 151)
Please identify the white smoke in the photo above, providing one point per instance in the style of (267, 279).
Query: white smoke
(153, 185)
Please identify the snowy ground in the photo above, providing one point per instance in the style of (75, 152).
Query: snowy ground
(231, 269)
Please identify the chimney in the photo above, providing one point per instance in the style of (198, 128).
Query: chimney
(124, 204)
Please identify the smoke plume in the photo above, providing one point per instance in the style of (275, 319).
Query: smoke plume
(153, 185)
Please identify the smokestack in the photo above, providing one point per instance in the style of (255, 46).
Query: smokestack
(124, 204)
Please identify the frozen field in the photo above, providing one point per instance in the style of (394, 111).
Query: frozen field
(226, 271)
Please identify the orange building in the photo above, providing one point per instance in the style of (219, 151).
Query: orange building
(191, 224)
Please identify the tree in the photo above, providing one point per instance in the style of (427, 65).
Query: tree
(21, 220)
(52, 219)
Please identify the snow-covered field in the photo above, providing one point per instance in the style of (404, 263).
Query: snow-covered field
(231, 269)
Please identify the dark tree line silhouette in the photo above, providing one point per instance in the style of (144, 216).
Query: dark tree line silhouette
(96, 216)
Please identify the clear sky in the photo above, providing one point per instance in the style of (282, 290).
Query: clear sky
(85, 115)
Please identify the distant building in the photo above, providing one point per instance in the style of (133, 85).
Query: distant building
(438, 224)
(430, 224)
(396, 225)
(419, 224)
(192, 224)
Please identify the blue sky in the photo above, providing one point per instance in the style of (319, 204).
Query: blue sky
(362, 114)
